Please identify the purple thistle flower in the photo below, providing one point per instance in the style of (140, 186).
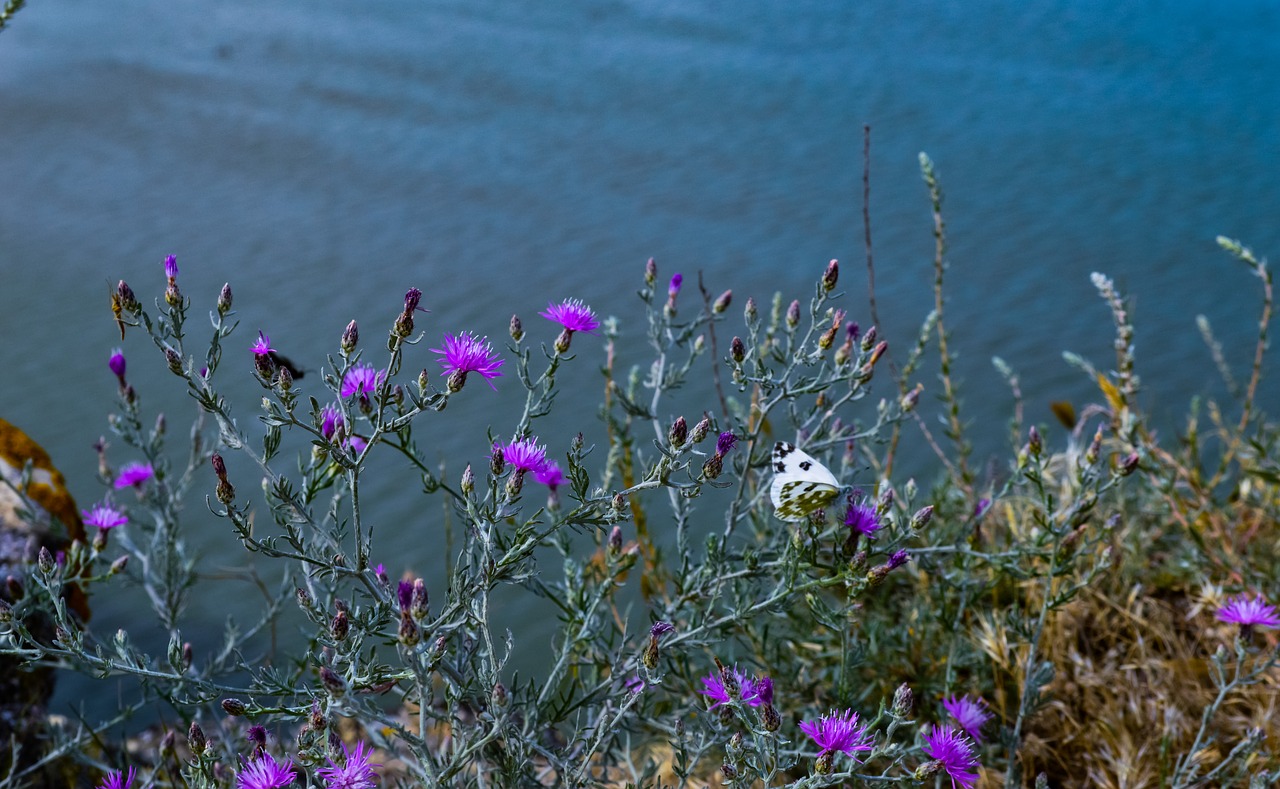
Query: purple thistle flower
(465, 353)
(550, 474)
(748, 689)
(1249, 613)
(262, 345)
(660, 629)
(898, 559)
(361, 379)
(838, 732)
(970, 713)
(676, 281)
(861, 518)
(411, 298)
(265, 772)
(525, 454)
(634, 684)
(104, 516)
(357, 444)
(725, 442)
(134, 475)
(981, 508)
(116, 362)
(851, 330)
(117, 779)
(355, 773)
(330, 421)
(405, 594)
(573, 315)
(171, 266)
(762, 688)
(954, 753)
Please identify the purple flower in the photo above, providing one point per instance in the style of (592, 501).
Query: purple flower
(838, 732)
(981, 508)
(676, 281)
(725, 442)
(465, 353)
(748, 689)
(1249, 613)
(411, 298)
(357, 444)
(659, 629)
(861, 518)
(404, 592)
(262, 345)
(330, 421)
(355, 773)
(851, 330)
(116, 362)
(763, 690)
(117, 779)
(361, 379)
(634, 684)
(104, 516)
(954, 754)
(134, 475)
(265, 772)
(550, 474)
(573, 315)
(898, 558)
(525, 454)
(171, 266)
(970, 713)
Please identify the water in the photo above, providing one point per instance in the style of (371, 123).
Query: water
(503, 154)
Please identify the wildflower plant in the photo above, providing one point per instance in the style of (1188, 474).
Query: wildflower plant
(700, 638)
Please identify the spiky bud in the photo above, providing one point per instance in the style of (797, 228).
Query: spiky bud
(922, 518)
(1129, 464)
(234, 707)
(500, 697)
(1034, 443)
(196, 740)
(333, 683)
(516, 328)
(737, 350)
(869, 340)
(224, 300)
(700, 430)
(713, 466)
(793, 314)
(118, 565)
(562, 341)
(497, 462)
(350, 339)
(128, 301)
(615, 540)
(679, 432)
(1095, 448)
(45, 561)
(902, 701)
(419, 605)
(468, 484)
(340, 626)
(831, 276)
(174, 361)
(722, 302)
(749, 312)
(408, 630)
(650, 272)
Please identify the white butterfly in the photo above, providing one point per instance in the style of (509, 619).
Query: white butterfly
(800, 483)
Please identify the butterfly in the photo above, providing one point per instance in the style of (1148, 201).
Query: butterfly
(800, 483)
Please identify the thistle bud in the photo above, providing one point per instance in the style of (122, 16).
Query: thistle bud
(749, 313)
(679, 433)
(515, 483)
(128, 301)
(174, 361)
(713, 466)
(234, 707)
(516, 328)
(340, 626)
(263, 365)
(350, 339)
(650, 272)
(922, 518)
(910, 399)
(497, 463)
(1129, 464)
(902, 701)
(828, 337)
(869, 340)
(1034, 443)
(737, 351)
(118, 565)
(877, 353)
(793, 314)
(333, 683)
(284, 379)
(224, 300)
(615, 540)
(408, 630)
(303, 597)
(822, 765)
(500, 698)
(563, 340)
(1095, 447)
(729, 771)
(418, 601)
(769, 718)
(45, 561)
(316, 719)
(700, 430)
(188, 654)
(468, 484)
(196, 740)
(831, 276)
(722, 302)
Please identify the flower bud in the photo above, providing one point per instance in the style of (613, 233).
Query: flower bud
(822, 765)
(910, 399)
(713, 466)
(831, 276)
(174, 361)
(468, 484)
(615, 540)
(195, 739)
(316, 719)
(6, 613)
(729, 771)
(418, 601)
(922, 518)
(737, 350)
(1034, 443)
(45, 561)
(234, 707)
(793, 314)
(769, 718)
(497, 463)
(749, 313)
(1129, 464)
(679, 433)
(340, 626)
(722, 302)
(516, 328)
(650, 272)
(408, 630)
(902, 701)
(700, 430)
(128, 301)
(224, 299)
(562, 341)
(1095, 447)
(333, 683)
(500, 698)
(350, 339)
(303, 597)
(118, 565)
(869, 340)
(13, 588)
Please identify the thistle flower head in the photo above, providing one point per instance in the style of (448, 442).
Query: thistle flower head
(573, 315)
(330, 421)
(134, 475)
(954, 753)
(725, 442)
(550, 474)
(104, 516)
(118, 779)
(713, 687)
(674, 288)
(116, 362)
(356, 771)
(1242, 611)
(969, 713)
(465, 353)
(525, 454)
(265, 772)
(171, 266)
(361, 379)
(861, 518)
(262, 345)
(839, 732)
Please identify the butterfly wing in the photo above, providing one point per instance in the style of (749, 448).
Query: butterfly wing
(800, 483)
